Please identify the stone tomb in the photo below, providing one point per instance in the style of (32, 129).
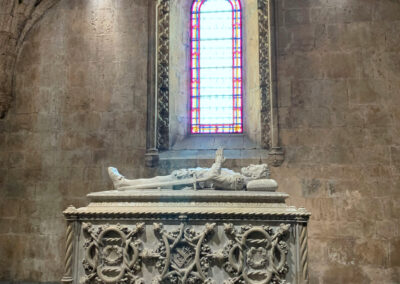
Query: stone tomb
(186, 236)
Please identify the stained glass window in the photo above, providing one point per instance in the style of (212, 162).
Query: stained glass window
(216, 67)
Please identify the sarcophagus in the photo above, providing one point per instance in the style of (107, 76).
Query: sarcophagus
(186, 236)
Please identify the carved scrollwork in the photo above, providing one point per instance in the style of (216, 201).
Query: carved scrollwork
(112, 254)
(256, 254)
(183, 255)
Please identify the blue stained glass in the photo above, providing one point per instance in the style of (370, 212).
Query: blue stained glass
(216, 69)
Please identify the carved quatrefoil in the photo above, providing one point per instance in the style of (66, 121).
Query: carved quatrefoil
(112, 254)
(256, 254)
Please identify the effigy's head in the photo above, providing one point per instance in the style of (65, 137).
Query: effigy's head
(256, 171)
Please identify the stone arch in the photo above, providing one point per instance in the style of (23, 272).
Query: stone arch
(20, 17)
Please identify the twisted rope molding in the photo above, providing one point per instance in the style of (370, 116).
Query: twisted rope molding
(192, 215)
(67, 278)
(304, 252)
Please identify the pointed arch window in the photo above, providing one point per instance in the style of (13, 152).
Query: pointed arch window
(216, 67)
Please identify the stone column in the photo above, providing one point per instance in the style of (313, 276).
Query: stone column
(302, 237)
(69, 244)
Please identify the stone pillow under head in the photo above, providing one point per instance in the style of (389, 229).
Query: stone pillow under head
(262, 185)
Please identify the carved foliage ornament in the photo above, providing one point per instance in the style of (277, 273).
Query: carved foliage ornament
(253, 254)
(183, 257)
(264, 34)
(112, 254)
(162, 74)
(256, 254)
(265, 71)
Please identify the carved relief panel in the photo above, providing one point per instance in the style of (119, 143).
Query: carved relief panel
(183, 255)
(256, 254)
(166, 237)
(112, 253)
(166, 253)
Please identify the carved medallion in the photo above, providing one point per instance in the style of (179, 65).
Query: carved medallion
(256, 254)
(183, 255)
(112, 254)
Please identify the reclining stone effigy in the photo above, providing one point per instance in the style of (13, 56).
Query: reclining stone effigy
(252, 178)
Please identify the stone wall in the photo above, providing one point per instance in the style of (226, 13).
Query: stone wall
(80, 105)
(339, 82)
(17, 17)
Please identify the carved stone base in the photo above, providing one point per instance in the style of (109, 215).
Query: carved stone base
(206, 236)
(152, 158)
(276, 157)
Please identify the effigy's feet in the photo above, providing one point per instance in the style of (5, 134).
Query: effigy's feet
(116, 177)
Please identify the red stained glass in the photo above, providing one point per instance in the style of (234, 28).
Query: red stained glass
(216, 67)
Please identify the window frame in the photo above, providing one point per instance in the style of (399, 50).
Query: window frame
(162, 137)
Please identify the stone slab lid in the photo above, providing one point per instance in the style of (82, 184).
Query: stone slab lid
(169, 195)
(177, 204)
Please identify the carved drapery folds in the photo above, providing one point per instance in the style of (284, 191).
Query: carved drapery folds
(183, 255)
(112, 254)
(162, 130)
(256, 254)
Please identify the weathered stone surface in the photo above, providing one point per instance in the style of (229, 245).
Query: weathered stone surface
(342, 165)
(199, 231)
(16, 20)
(76, 96)
(80, 105)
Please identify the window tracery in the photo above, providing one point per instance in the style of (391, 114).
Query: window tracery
(169, 84)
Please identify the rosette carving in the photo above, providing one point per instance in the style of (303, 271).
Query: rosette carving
(112, 254)
(256, 254)
(183, 255)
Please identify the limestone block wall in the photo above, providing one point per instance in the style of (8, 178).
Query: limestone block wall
(17, 17)
(338, 70)
(80, 105)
